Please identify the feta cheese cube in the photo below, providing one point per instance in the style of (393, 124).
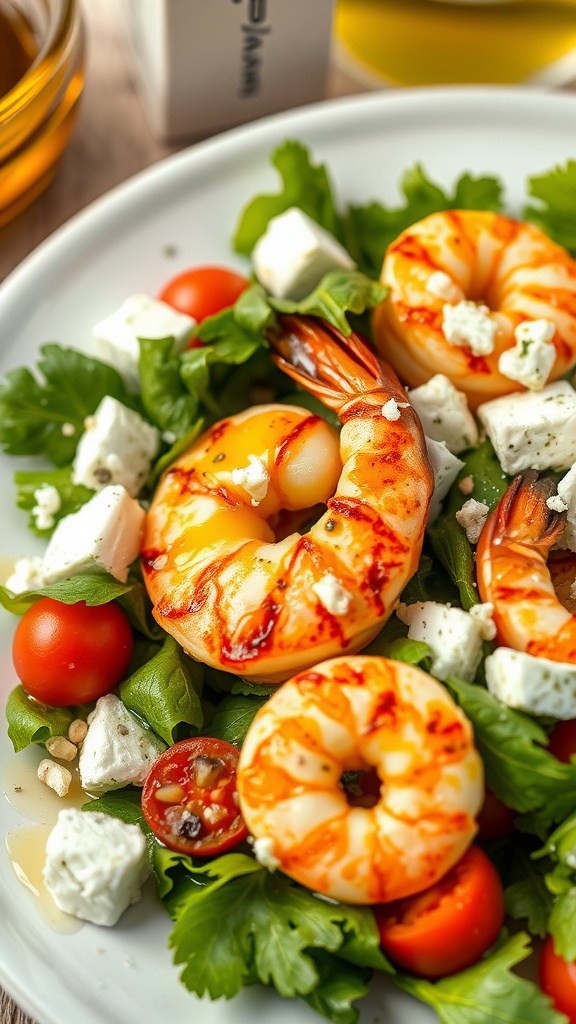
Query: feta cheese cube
(294, 253)
(445, 468)
(567, 495)
(482, 613)
(469, 325)
(117, 751)
(444, 414)
(453, 635)
(117, 448)
(531, 359)
(140, 316)
(332, 595)
(103, 536)
(472, 517)
(95, 865)
(533, 429)
(535, 685)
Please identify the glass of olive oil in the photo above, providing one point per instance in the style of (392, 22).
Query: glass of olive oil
(435, 42)
(41, 80)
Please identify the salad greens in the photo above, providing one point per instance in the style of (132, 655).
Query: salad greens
(236, 922)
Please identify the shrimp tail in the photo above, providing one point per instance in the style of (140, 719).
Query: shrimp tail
(336, 369)
(523, 515)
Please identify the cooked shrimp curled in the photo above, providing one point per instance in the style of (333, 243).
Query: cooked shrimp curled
(354, 714)
(513, 574)
(510, 268)
(225, 580)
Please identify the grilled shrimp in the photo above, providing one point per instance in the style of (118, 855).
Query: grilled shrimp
(352, 714)
(512, 572)
(225, 580)
(473, 277)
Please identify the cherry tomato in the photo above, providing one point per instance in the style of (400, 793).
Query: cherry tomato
(189, 797)
(562, 740)
(448, 926)
(495, 819)
(71, 653)
(203, 291)
(558, 980)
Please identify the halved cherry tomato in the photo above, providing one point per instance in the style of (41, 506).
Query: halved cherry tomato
(203, 291)
(562, 740)
(189, 797)
(448, 926)
(495, 819)
(71, 653)
(558, 980)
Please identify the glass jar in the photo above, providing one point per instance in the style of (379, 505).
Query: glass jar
(41, 80)
(434, 42)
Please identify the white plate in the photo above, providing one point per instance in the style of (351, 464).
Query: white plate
(120, 245)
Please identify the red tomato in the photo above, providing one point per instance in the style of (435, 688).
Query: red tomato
(495, 820)
(558, 980)
(189, 797)
(203, 291)
(71, 653)
(562, 740)
(448, 926)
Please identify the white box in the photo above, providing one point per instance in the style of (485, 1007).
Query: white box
(205, 65)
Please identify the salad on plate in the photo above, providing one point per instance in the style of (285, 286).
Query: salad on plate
(305, 624)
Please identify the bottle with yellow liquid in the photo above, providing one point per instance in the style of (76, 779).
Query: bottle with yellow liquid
(438, 42)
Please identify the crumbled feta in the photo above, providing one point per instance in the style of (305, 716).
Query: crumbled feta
(444, 413)
(68, 429)
(332, 595)
(294, 253)
(536, 685)
(533, 429)
(469, 325)
(453, 635)
(472, 517)
(531, 359)
(103, 536)
(253, 478)
(95, 865)
(48, 502)
(264, 853)
(117, 751)
(391, 410)
(140, 316)
(482, 614)
(55, 776)
(567, 495)
(442, 286)
(445, 468)
(27, 575)
(117, 448)
(556, 504)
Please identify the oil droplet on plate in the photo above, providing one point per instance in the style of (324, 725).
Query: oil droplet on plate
(32, 798)
(27, 852)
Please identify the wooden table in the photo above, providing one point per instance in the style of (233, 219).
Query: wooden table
(111, 142)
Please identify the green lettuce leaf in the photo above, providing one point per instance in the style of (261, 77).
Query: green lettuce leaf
(72, 496)
(555, 195)
(339, 292)
(31, 722)
(487, 993)
(93, 588)
(34, 411)
(167, 403)
(165, 692)
(233, 718)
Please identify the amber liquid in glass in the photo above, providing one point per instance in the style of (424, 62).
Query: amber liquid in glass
(431, 42)
(18, 48)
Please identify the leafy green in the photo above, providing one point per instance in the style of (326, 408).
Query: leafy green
(31, 722)
(339, 985)
(339, 292)
(93, 588)
(126, 804)
(45, 415)
(233, 718)
(555, 193)
(487, 993)
(72, 496)
(167, 403)
(165, 692)
(251, 924)
(488, 479)
(561, 885)
(429, 583)
(527, 896)
(303, 184)
(375, 226)
(518, 768)
(453, 550)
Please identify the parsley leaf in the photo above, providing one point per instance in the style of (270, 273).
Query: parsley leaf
(339, 292)
(46, 416)
(555, 193)
(487, 993)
